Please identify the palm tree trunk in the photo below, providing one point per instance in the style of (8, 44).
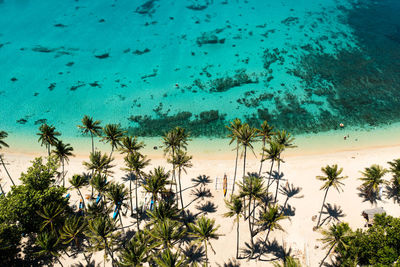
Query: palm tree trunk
(63, 173)
(91, 135)
(4, 166)
(109, 252)
(262, 157)
(130, 193)
(237, 238)
(112, 150)
(323, 202)
(250, 228)
(180, 188)
(59, 262)
(48, 150)
(83, 200)
(205, 246)
(236, 163)
(270, 174)
(279, 179)
(265, 241)
(326, 256)
(120, 220)
(137, 207)
(2, 191)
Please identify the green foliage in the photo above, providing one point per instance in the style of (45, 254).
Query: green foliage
(10, 237)
(377, 246)
(24, 201)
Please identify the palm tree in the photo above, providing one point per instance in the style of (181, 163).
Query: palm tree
(52, 215)
(72, 230)
(235, 207)
(49, 245)
(286, 140)
(170, 259)
(99, 164)
(270, 219)
(273, 153)
(245, 135)
(333, 179)
(113, 134)
(181, 160)
(130, 145)
(135, 253)
(117, 194)
(156, 182)
(63, 152)
(79, 181)
(394, 189)
(253, 188)
(48, 136)
(4, 135)
(373, 178)
(265, 132)
(90, 126)
(334, 236)
(100, 231)
(166, 233)
(234, 128)
(204, 230)
(135, 163)
(99, 183)
(164, 210)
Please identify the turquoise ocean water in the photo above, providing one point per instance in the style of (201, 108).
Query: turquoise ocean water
(303, 65)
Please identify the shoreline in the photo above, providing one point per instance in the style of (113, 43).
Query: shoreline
(219, 148)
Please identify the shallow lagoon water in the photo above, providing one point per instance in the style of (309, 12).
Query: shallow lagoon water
(303, 65)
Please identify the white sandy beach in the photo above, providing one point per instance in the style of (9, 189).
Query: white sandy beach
(299, 168)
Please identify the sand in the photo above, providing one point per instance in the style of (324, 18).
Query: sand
(299, 169)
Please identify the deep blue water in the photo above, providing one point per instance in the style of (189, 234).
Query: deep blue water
(150, 65)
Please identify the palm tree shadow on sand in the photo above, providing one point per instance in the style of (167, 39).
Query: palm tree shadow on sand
(393, 192)
(230, 263)
(333, 213)
(195, 255)
(202, 180)
(206, 208)
(199, 193)
(289, 210)
(369, 195)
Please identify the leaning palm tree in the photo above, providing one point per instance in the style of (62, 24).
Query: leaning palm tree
(373, 178)
(79, 181)
(99, 164)
(72, 230)
(204, 230)
(334, 236)
(270, 220)
(235, 207)
(181, 160)
(130, 145)
(102, 236)
(48, 243)
(4, 135)
(156, 182)
(136, 252)
(48, 136)
(117, 194)
(234, 128)
(135, 163)
(113, 134)
(266, 133)
(166, 233)
(90, 126)
(170, 259)
(63, 152)
(333, 179)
